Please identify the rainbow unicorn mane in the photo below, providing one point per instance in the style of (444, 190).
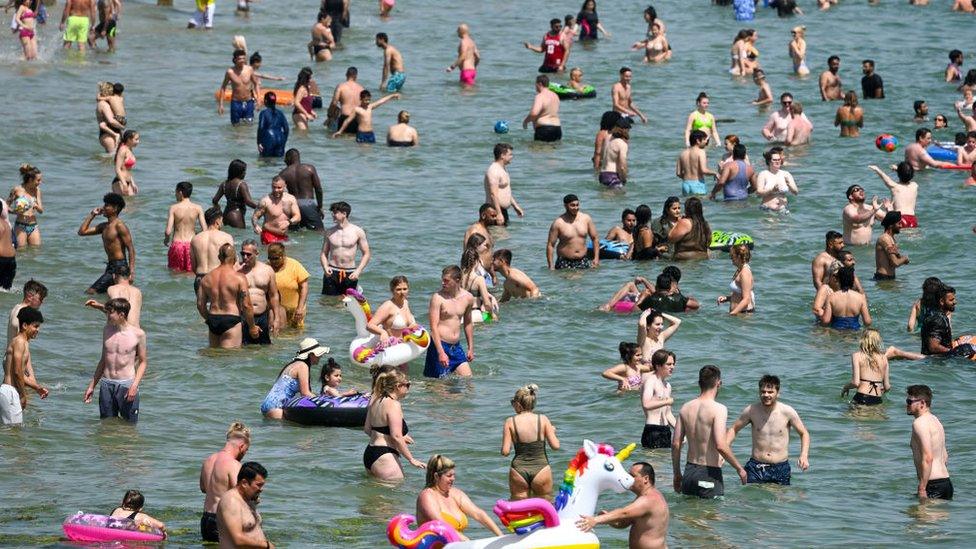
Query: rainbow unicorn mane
(577, 466)
(355, 294)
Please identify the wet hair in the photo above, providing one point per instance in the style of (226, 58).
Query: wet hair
(118, 305)
(327, 369)
(845, 277)
(609, 120)
(351, 72)
(525, 396)
(238, 53)
(708, 377)
(954, 55)
(742, 251)
(695, 136)
(660, 357)
(628, 351)
(118, 88)
(905, 172)
(452, 271)
(303, 78)
(739, 152)
(133, 500)
(570, 198)
(29, 315)
(843, 255)
(383, 36)
(127, 135)
(470, 258)
(270, 99)
(921, 392)
(701, 232)
(365, 95)
(105, 88)
(626, 212)
(115, 200)
(484, 208)
(917, 105)
(504, 255)
(403, 117)
(742, 35)
(437, 465)
(970, 79)
(340, 206)
(646, 469)
(185, 188)
(831, 236)
(542, 80)
(643, 215)
(237, 169)
(931, 288)
(34, 287)
(500, 149)
(850, 99)
(670, 201)
(238, 431)
(663, 282)
(28, 173)
(891, 218)
(397, 280)
(251, 470)
(870, 344)
(673, 271)
(768, 155)
(212, 215)
(769, 381)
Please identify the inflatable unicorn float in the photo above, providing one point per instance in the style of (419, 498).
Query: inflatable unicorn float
(367, 349)
(534, 523)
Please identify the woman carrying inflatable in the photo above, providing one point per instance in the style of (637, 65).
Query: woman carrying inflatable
(393, 318)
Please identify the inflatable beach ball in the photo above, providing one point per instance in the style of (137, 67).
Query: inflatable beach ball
(886, 142)
(501, 126)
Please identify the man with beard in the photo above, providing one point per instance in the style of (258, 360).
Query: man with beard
(834, 244)
(238, 521)
(937, 329)
(218, 475)
(859, 218)
(830, 86)
(887, 256)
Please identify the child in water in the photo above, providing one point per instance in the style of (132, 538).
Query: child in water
(131, 508)
(629, 373)
(331, 378)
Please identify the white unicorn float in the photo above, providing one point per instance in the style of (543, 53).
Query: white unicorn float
(367, 349)
(535, 523)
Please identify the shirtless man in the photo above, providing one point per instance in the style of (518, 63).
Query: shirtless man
(279, 210)
(447, 307)
(918, 157)
(76, 22)
(18, 370)
(771, 421)
(647, 516)
(302, 181)
(778, 124)
(34, 295)
(363, 116)
(544, 114)
(241, 79)
(887, 256)
(109, 12)
(393, 72)
(263, 291)
(692, 165)
(121, 367)
(345, 99)
(338, 256)
(123, 289)
(567, 238)
(181, 225)
(928, 445)
(702, 421)
(625, 231)
(799, 129)
(859, 218)
(468, 57)
(486, 218)
(116, 240)
(834, 243)
(517, 285)
(218, 474)
(205, 245)
(621, 96)
(963, 5)
(830, 85)
(498, 185)
(226, 292)
(238, 521)
(322, 42)
(613, 169)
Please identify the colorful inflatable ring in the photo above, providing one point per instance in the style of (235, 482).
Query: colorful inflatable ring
(282, 97)
(568, 92)
(610, 249)
(724, 240)
(429, 535)
(100, 528)
(326, 411)
(942, 154)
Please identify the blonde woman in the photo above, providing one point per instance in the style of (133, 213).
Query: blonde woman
(25, 227)
(440, 499)
(530, 474)
(741, 297)
(109, 127)
(387, 430)
(798, 51)
(850, 116)
(869, 371)
(402, 134)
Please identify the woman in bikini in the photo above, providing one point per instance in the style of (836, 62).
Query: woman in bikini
(28, 193)
(444, 501)
(387, 430)
(238, 195)
(701, 119)
(124, 184)
(530, 473)
(656, 47)
(651, 333)
(393, 318)
(109, 127)
(302, 113)
(869, 371)
(26, 21)
(131, 508)
(628, 373)
(850, 116)
(741, 297)
(473, 279)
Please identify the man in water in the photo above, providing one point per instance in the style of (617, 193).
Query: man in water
(109, 12)
(621, 95)
(498, 184)
(553, 46)
(859, 218)
(205, 245)
(771, 421)
(517, 285)
(921, 109)
(338, 256)
(238, 521)
(667, 298)
(302, 182)
(363, 116)
(272, 134)
(448, 307)
(34, 295)
(567, 238)
(181, 226)
(116, 240)
(121, 367)
(625, 231)
(834, 243)
(872, 87)
(345, 99)
(226, 292)
(218, 474)
(647, 516)
(830, 85)
(468, 57)
(917, 155)
(928, 445)
(393, 72)
(76, 22)
(279, 210)
(692, 165)
(656, 401)
(702, 421)
(937, 328)
(263, 291)
(203, 16)
(18, 370)
(123, 289)
(887, 256)
(778, 123)
(544, 114)
(487, 214)
(240, 78)
(800, 128)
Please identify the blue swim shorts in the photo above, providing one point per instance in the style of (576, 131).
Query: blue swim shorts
(455, 357)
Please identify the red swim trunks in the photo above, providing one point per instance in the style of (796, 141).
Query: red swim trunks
(271, 238)
(179, 256)
(908, 222)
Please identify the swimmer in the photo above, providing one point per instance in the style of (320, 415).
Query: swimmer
(331, 379)
(363, 116)
(566, 243)
(131, 508)
(303, 111)
(181, 225)
(737, 179)
(826, 289)
(240, 78)
(123, 289)
(468, 57)
(442, 500)
(238, 195)
(921, 109)
(302, 181)
(870, 375)
(731, 140)
(924, 305)
(238, 521)
(917, 155)
(34, 294)
(205, 245)
(744, 53)
(667, 296)
(576, 79)
(498, 184)
(773, 183)
(800, 128)
(647, 515)
(223, 301)
(26, 24)
(798, 50)
(846, 309)
(486, 218)
(402, 134)
(322, 42)
(701, 119)
(872, 86)
(691, 235)
(203, 16)
(474, 277)
(109, 126)
(218, 474)
(778, 122)
(651, 333)
(953, 71)
(621, 95)
(859, 218)
(76, 22)
(643, 247)
(24, 230)
(18, 370)
(630, 296)
(262, 286)
(344, 102)
(624, 233)
(928, 445)
(121, 367)
(628, 374)
(530, 473)
(656, 47)
(294, 379)
(124, 184)
(969, 120)
(830, 84)
(692, 165)
(255, 62)
(8, 253)
(590, 22)
(940, 122)
(553, 46)
(544, 114)
(656, 401)
(608, 121)
(850, 116)
(339, 248)
(116, 240)
(613, 165)
(393, 75)
(742, 298)
(966, 155)
(393, 318)
(272, 134)
(448, 307)
(904, 192)
(765, 92)
(887, 256)
(279, 210)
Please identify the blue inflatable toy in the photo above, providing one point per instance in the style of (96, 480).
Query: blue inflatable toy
(501, 126)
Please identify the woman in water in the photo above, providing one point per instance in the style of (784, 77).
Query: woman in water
(393, 318)
(25, 201)
(651, 333)
(613, 164)
(731, 140)
(773, 183)
(656, 47)
(131, 508)
(530, 474)
(831, 285)
(125, 160)
(294, 378)
(661, 227)
(765, 96)
(473, 277)
(643, 247)
(629, 295)
(607, 123)
(441, 500)
(904, 193)
(846, 308)
(628, 373)
(742, 298)
(656, 400)
(931, 290)
(108, 127)
(850, 116)
(869, 371)
(589, 21)
(701, 119)
(691, 235)
(238, 195)
(26, 21)
(302, 112)
(402, 134)
(744, 53)
(387, 430)
(798, 51)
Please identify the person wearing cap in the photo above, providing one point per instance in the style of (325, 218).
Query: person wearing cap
(887, 256)
(272, 129)
(293, 378)
(613, 164)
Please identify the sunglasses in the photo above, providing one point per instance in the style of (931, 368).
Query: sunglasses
(910, 401)
(406, 384)
(786, 103)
